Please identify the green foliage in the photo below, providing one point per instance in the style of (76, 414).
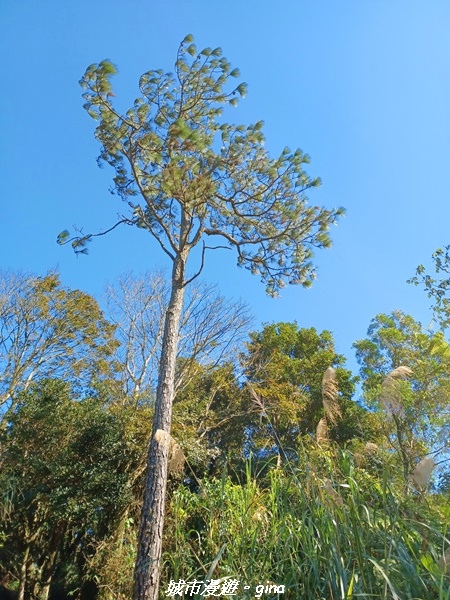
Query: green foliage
(48, 330)
(66, 467)
(420, 420)
(210, 415)
(330, 533)
(187, 176)
(285, 366)
(329, 524)
(437, 289)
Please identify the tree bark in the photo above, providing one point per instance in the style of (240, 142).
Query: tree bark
(403, 452)
(147, 569)
(23, 574)
(48, 567)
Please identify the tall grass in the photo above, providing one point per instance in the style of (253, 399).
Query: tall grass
(326, 530)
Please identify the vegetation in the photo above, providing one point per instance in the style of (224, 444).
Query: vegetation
(274, 478)
(191, 180)
(323, 529)
(259, 494)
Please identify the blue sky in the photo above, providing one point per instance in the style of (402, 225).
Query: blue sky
(363, 87)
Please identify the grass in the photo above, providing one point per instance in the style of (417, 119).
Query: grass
(353, 537)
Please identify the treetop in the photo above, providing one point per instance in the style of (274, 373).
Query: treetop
(189, 177)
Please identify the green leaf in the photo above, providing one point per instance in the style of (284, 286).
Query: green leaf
(242, 90)
(188, 39)
(235, 73)
(192, 50)
(234, 102)
(94, 114)
(108, 67)
(62, 237)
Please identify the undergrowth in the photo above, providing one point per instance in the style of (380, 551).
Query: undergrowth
(327, 532)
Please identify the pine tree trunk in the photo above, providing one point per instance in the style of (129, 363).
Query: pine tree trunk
(152, 518)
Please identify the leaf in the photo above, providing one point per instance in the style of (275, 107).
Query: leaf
(188, 39)
(235, 73)
(192, 50)
(242, 90)
(234, 102)
(108, 67)
(62, 237)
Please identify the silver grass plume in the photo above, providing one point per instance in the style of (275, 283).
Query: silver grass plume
(330, 396)
(400, 373)
(257, 400)
(421, 474)
(322, 436)
(390, 394)
(331, 494)
(370, 448)
(260, 514)
(444, 562)
(369, 452)
(176, 458)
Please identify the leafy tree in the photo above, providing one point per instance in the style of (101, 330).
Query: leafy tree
(47, 330)
(416, 413)
(187, 177)
(67, 477)
(285, 366)
(437, 289)
(210, 417)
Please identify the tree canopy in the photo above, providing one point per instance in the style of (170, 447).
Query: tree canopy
(413, 401)
(285, 366)
(436, 288)
(47, 330)
(188, 175)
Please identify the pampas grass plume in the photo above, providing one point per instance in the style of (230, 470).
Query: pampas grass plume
(332, 495)
(390, 395)
(421, 474)
(444, 562)
(330, 396)
(370, 448)
(322, 436)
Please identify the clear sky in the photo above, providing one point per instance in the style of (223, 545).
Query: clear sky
(362, 86)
